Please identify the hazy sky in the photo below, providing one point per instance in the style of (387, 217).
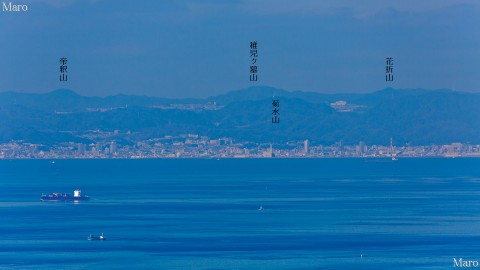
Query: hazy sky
(189, 48)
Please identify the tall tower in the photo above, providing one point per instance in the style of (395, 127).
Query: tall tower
(81, 148)
(392, 151)
(361, 148)
(391, 146)
(113, 148)
(305, 146)
(269, 152)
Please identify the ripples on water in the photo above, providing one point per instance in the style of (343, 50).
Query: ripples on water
(203, 214)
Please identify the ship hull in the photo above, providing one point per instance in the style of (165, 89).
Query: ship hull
(63, 199)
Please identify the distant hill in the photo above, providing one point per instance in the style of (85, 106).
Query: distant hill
(410, 116)
(65, 100)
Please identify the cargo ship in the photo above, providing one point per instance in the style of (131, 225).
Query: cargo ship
(92, 237)
(62, 197)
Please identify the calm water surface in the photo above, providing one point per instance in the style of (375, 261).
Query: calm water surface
(203, 214)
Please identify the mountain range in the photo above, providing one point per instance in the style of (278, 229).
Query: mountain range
(409, 116)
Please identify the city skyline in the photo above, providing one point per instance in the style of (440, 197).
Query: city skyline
(197, 146)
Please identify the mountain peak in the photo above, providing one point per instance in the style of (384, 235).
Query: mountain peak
(63, 93)
(250, 93)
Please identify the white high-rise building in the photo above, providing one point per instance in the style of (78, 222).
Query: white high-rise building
(81, 148)
(305, 146)
(113, 148)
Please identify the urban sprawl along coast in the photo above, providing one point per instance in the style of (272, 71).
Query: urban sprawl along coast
(196, 146)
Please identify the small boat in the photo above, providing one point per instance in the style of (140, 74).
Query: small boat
(92, 237)
(261, 208)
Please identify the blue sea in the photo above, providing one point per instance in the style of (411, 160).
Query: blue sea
(204, 214)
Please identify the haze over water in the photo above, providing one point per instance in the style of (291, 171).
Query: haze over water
(203, 214)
